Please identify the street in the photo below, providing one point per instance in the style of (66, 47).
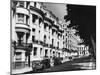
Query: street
(77, 64)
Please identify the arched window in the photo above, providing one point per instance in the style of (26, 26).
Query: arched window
(27, 4)
(35, 4)
(35, 51)
(34, 17)
(40, 20)
(20, 18)
(27, 20)
(21, 4)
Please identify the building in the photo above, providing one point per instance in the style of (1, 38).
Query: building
(36, 34)
(20, 34)
(83, 50)
(73, 46)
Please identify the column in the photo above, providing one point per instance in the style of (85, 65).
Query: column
(38, 52)
(25, 4)
(49, 53)
(16, 18)
(24, 19)
(24, 40)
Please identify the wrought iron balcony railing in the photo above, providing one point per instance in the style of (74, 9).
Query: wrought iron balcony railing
(24, 46)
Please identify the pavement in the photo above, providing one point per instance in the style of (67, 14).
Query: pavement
(87, 65)
(19, 71)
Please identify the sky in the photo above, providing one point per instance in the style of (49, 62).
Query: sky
(58, 9)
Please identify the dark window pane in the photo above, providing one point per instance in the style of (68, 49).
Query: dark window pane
(33, 38)
(35, 51)
(21, 4)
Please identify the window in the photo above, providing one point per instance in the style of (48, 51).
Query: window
(52, 31)
(44, 25)
(40, 20)
(26, 19)
(66, 34)
(50, 52)
(18, 53)
(52, 41)
(49, 27)
(45, 14)
(20, 37)
(33, 38)
(33, 29)
(66, 39)
(58, 54)
(35, 51)
(63, 43)
(34, 4)
(20, 15)
(18, 56)
(63, 37)
(53, 53)
(27, 4)
(49, 36)
(44, 38)
(21, 4)
(58, 44)
(34, 17)
(40, 51)
(39, 31)
(20, 18)
(63, 25)
(46, 53)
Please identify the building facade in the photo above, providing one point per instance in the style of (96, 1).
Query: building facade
(36, 33)
(73, 46)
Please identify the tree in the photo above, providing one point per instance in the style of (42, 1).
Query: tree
(93, 52)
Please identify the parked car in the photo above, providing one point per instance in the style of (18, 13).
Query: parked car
(45, 63)
(57, 61)
(40, 64)
(37, 65)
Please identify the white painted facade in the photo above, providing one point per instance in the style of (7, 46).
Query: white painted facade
(32, 24)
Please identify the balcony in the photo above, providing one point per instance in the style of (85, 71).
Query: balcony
(22, 10)
(22, 27)
(42, 43)
(38, 42)
(61, 31)
(51, 46)
(56, 26)
(35, 42)
(37, 10)
(46, 19)
(23, 46)
(45, 45)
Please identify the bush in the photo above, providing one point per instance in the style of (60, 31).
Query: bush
(46, 63)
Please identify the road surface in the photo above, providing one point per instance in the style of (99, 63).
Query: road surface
(77, 64)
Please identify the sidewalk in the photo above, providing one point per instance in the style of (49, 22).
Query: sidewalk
(86, 65)
(18, 71)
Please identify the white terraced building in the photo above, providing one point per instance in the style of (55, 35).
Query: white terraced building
(73, 46)
(36, 33)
